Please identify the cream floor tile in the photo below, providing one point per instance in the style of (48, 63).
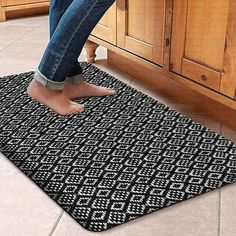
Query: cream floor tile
(39, 36)
(25, 209)
(3, 44)
(228, 197)
(228, 210)
(28, 20)
(195, 217)
(7, 168)
(26, 42)
(14, 69)
(26, 55)
(30, 45)
(11, 33)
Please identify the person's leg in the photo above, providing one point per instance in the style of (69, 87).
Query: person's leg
(75, 77)
(68, 40)
(56, 11)
(63, 49)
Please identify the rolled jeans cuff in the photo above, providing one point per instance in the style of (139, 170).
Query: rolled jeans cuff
(76, 79)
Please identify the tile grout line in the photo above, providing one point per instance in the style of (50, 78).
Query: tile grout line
(56, 224)
(19, 39)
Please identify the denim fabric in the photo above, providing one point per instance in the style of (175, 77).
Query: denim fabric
(56, 11)
(71, 23)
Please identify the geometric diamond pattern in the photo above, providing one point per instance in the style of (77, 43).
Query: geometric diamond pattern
(124, 156)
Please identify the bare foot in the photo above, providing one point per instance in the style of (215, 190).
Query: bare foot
(86, 89)
(54, 99)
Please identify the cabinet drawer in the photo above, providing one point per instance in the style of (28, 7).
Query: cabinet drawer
(201, 74)
(199, 40)
(19, 2)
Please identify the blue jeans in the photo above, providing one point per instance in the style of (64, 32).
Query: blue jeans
(71, 22)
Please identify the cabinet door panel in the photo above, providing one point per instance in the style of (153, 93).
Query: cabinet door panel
(106, 27)
(140, 28)
(228, 80)
(198, 39)
(19, 2)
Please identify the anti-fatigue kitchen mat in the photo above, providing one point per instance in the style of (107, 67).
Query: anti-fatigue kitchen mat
(123, 157)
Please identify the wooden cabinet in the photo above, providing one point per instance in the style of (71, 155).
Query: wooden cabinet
(22, 7)
(190, 41)
(202, 39)
(136, 26)
(19, 2)
(140, 28)
(106, 27)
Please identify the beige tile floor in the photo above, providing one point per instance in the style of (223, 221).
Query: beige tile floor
(27, 211)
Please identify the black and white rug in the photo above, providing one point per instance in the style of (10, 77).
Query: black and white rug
(123, 157)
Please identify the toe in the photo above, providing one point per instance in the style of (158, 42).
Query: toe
(111, 91)
(74, 111)
(77, 104)
(78, 107)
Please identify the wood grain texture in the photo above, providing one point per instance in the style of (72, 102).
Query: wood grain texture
(228, 80)
(18, 8)
(106, 27)
(140, 28)
(167, 34)
(204, 100)
(203, 42)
